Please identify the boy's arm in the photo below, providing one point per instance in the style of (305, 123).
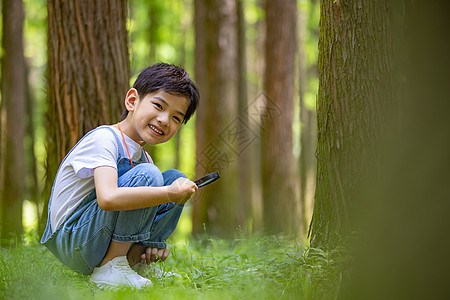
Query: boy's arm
(112, 197)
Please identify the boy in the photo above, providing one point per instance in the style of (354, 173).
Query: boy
(111, 208)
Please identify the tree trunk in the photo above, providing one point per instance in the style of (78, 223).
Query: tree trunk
(154, 14)
(405, 254)
(13, 105)
(245, 162)
(32, 183)
(254, 85)
(88, 72)
(308, 133)
(354, 98)
(216, 75)
(182, 46)
(279, 171)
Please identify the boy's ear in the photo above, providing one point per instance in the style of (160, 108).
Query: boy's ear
(131, 99)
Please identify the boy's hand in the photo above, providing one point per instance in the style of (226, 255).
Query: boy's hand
(181, 190)
(155, 254)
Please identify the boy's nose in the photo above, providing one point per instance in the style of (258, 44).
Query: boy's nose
(163, 119)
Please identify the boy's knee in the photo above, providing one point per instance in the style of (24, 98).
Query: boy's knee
(151, 173)
(175, 173)
(171, 175)
(147, 168)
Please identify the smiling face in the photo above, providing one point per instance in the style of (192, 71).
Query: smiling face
(155, 118)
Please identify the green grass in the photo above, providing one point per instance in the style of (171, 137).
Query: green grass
(260, 267)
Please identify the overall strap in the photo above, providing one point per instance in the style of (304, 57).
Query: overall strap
(145, 157)
(118, 141)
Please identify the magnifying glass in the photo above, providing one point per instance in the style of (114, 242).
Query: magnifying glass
(210, 178)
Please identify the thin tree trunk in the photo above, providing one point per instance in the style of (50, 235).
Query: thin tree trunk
(13, 100)
(88, 73)
(154, 22)
(305, 120)
(33, 187)
(245, 162)
(182, 45)
(308, 132)
(255, 88)
(279, 171)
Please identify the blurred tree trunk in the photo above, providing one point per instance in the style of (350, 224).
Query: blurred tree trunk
(412, 200)
(308, 132)
(353, 105)
(32, 181)
(88, 73)
(216, 75)
(305, 161)
(279, 167)
(154, 14)
(13, 123)
(182, 51)
(244, 162)
(254, 84)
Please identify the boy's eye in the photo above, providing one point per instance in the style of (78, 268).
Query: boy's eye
(177, 119)
(158, 105)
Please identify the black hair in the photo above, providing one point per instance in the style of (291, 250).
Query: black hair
(171, 79)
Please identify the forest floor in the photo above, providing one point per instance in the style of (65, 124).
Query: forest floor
(261, 267)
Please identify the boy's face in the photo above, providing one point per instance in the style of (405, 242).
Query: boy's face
(155, 118)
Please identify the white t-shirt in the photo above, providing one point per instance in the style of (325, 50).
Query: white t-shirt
(75, 177)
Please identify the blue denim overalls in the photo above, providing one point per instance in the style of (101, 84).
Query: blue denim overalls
(82, 240)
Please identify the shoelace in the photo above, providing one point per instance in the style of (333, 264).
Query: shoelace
(125, 268)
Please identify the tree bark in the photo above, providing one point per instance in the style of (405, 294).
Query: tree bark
(279, 168)
(353, 104)
(88, 72)
(216, 121)
(13, 105)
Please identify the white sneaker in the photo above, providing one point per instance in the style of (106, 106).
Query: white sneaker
(116, 273)
(151, 271)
